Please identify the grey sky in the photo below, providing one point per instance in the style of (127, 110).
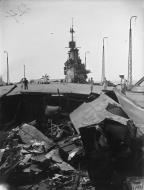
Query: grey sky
(36, 33)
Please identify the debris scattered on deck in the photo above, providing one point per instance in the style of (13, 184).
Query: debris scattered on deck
(96, 145)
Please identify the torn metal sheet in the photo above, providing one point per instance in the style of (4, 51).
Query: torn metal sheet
(114, 109)
(54, 155)
(135, 112)
(30, 135)
(65, 167)
(73, 153)
(12, 158)
(70, 148)
(94, 112)
(39, 158)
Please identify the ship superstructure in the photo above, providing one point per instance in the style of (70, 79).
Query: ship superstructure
(74, 70)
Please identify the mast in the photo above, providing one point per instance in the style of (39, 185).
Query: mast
(72, 31)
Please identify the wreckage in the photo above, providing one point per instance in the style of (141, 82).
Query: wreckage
(71, 141)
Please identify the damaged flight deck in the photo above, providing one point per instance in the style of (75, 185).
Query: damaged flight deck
(65, 136)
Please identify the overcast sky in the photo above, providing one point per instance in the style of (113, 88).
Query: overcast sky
(36, 33)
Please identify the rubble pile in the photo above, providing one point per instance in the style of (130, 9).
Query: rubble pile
(98, 145)
(31, 160)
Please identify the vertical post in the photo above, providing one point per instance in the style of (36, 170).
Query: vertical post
(24, 71)
(122, 78)
(85, 59)
(7, 68)
(103, 63)
(130, 55)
